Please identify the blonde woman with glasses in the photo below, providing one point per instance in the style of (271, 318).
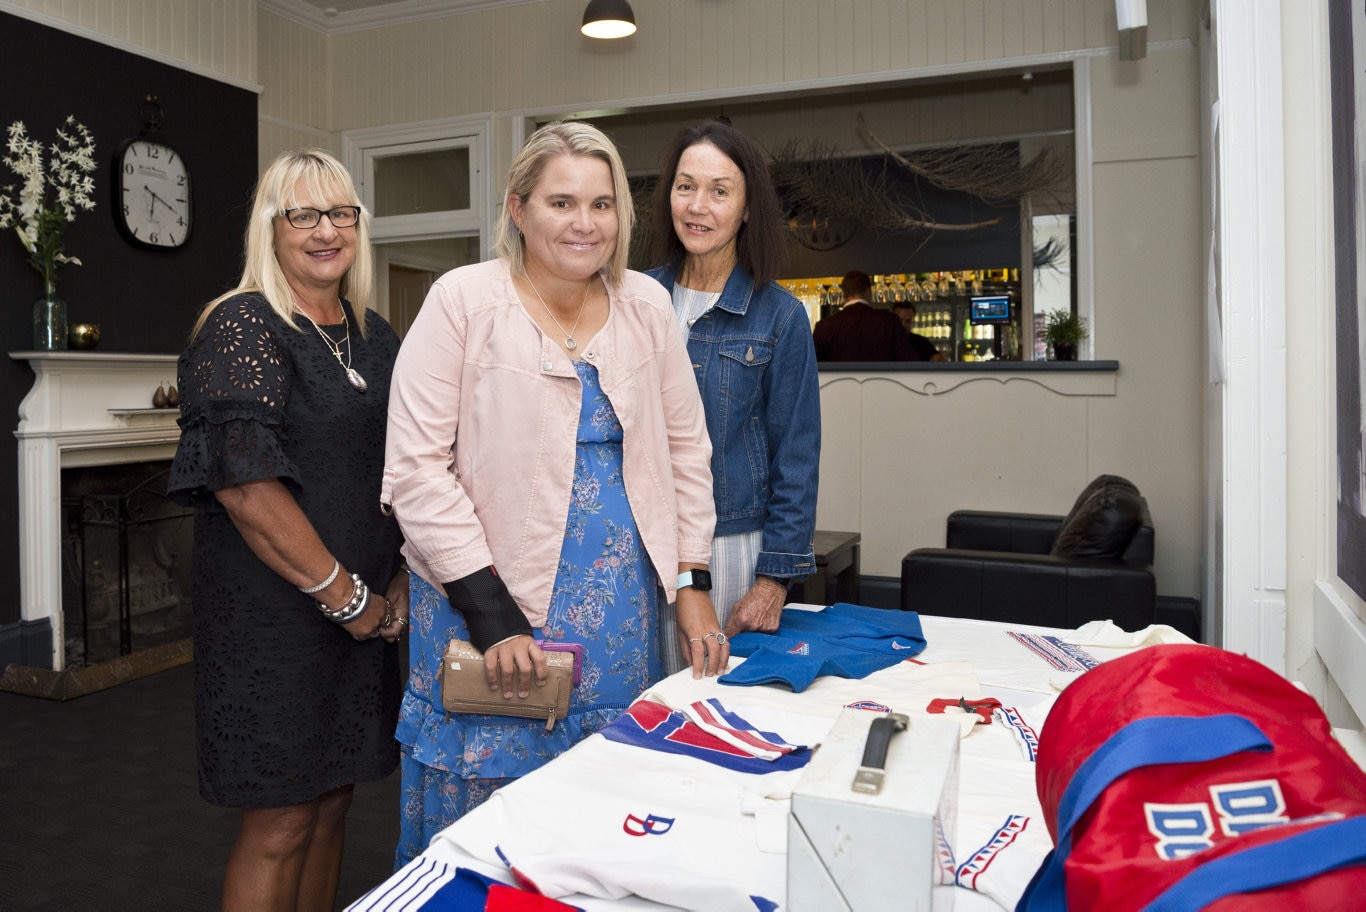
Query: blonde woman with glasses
(298, 596)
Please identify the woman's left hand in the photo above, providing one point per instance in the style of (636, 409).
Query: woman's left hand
(699, 633)
(761, 608)
(397, 595)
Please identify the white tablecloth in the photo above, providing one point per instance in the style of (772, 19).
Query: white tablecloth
(562, 825)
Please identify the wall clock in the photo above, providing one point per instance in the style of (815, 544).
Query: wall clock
(153, 204)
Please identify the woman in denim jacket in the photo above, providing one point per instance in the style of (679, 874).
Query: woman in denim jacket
(716, 225)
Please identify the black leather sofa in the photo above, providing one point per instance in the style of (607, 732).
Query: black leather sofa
(1094, 563)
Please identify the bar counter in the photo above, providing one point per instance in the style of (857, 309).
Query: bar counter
(973, 366)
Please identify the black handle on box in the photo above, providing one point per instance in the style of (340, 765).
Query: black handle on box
(869, 775)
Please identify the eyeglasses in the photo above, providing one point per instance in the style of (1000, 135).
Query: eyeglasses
(339, 216)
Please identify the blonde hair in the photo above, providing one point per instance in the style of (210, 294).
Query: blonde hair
(317, 176)
(551, 140)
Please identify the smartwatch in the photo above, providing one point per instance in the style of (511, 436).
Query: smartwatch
(697, 579)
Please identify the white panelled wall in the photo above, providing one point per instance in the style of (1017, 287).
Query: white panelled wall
(212, 37)
(296, 106)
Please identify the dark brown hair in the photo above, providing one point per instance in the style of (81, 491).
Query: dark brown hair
(760, 245)
(856, 284)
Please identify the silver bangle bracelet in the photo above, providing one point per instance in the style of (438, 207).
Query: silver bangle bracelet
(354, 606)
(336, 568)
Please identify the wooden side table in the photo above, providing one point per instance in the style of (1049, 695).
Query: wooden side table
(837, 570)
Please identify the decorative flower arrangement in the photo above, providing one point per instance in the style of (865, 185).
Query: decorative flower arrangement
(49, 198)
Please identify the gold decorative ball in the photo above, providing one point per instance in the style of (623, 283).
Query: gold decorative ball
(83, 335)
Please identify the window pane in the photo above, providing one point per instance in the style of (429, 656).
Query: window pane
(1053, 280)
(437, 181)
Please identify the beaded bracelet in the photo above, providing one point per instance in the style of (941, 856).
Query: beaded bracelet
(336, 568)
(354, 606)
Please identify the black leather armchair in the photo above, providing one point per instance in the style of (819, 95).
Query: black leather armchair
(1060, 571)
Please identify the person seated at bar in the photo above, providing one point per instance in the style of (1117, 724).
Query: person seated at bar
(924, 346)
(861, 332)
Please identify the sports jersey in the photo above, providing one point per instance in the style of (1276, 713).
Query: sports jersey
(435, 886)
(1000, 838)
(844, 640)
(1023, 657)
(610, 819)
(709, 731)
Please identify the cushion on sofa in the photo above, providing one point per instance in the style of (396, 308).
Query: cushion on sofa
(1102, 522)
(1100, 481)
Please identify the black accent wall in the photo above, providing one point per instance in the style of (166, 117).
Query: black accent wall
(144, 300)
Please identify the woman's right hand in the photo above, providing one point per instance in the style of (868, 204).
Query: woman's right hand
(368, 625)
(400, 609)
(516, 659)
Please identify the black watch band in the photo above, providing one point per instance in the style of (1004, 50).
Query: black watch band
(696, 579)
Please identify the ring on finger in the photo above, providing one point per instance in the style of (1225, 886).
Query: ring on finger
(692, 640)
(720, 637)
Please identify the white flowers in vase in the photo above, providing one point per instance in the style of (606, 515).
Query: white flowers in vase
(49, 198)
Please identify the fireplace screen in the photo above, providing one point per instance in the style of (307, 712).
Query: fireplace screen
(126, 562)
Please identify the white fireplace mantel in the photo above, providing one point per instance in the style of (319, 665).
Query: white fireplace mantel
(84, 409)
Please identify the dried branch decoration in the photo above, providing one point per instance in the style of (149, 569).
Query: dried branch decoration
(830, 196)
(820, 187)
(992, 172)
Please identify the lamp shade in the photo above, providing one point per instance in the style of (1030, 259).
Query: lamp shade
(608, 19)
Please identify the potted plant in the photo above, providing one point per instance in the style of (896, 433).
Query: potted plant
(1063, 332)
(51, 195)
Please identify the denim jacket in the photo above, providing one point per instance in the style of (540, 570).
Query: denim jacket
(756, 368)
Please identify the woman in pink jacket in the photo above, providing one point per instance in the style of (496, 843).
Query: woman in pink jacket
(548, 462)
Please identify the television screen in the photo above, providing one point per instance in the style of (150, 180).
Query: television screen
(990, 309)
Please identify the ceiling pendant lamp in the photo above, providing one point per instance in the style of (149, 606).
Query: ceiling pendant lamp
(608, 19)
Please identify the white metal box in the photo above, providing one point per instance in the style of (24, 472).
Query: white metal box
(849, 851)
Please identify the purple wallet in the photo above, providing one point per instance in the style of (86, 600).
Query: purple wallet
(575, 648)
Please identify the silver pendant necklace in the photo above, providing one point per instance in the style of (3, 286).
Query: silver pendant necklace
(352, 375)
(569, 342)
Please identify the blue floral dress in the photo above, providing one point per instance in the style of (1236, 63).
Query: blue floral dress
(606, 597)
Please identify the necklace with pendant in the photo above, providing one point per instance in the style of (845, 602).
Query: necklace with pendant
(352, 375)
(569, 342)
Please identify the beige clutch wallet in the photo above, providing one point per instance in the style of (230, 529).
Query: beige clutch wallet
(465, 689)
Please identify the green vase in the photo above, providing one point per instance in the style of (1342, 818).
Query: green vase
(49, 321)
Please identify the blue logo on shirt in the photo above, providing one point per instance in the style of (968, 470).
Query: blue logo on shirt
(650, 826)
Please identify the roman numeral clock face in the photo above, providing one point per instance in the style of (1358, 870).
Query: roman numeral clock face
(153, 189)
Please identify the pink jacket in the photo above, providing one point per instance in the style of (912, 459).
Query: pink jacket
(476, 380)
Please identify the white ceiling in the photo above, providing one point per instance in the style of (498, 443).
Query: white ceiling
(333, 16)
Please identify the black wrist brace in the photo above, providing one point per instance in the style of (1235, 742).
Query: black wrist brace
(490, 612)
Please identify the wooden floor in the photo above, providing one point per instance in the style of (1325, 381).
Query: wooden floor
(100, 808)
